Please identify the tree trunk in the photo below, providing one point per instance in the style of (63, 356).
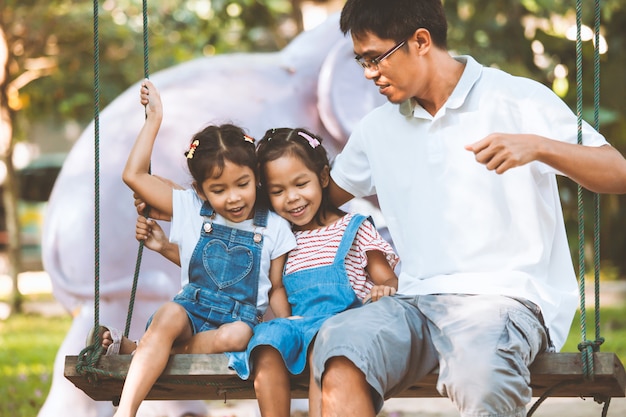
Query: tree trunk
(14, 253)
(9, 195)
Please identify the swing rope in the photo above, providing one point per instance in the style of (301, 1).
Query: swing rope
(146, 74)
(588, 347)
(90, 355)
(596, 197)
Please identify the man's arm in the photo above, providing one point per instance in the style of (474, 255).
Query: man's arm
(338, 196)
(599, 169)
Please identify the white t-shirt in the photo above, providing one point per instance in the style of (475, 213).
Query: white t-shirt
(458, 227)
(278, 238)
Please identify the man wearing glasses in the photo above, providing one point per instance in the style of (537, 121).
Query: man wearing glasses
(463, 160)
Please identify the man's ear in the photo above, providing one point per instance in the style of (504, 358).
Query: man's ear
(423, 39)
(198, 191)
(325, 176)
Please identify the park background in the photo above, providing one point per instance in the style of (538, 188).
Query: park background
(46, 101)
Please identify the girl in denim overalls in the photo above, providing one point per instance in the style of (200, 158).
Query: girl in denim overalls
(233, 249)
(339, 258)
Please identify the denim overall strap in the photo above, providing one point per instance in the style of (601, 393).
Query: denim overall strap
(206, 210)
(348, 238)
(260, 216)
(324, 290)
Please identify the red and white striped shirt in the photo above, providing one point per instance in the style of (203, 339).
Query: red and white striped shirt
(318, 247)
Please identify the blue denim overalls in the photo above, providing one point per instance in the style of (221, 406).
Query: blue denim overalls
(224, 274)
(315, 294)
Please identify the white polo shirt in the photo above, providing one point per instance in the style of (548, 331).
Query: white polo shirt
(458, 227)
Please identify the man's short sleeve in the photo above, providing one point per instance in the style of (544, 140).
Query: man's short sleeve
(351, 169)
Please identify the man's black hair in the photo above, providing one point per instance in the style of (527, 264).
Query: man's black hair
(395, 19)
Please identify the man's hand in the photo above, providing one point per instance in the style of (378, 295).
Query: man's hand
(500, 151)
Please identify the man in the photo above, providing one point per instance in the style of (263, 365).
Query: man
(463, 160)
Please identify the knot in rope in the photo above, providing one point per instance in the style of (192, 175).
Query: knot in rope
(593, 344)
(587, 348)
(87, 361)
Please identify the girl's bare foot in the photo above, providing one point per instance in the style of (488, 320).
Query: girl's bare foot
(127, 346)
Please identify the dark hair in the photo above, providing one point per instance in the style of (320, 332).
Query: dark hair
(214, 145)
(303, 145)
(395, 19)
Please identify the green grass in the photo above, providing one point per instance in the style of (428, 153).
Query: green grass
(28, 346)
(612, 329)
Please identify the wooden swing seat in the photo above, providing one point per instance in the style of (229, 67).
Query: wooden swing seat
(207, 377)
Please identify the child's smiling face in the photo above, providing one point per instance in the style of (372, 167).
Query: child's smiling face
(233, 193)
(295, 191)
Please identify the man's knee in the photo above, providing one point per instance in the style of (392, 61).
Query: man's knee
(345, 390)
(337, 364)
(338, 370)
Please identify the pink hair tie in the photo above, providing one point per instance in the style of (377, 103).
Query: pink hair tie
(312, 141)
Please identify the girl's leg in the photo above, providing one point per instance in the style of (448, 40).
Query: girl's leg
(315, 395)
(170, 324)
(272, 383)
(230, 337)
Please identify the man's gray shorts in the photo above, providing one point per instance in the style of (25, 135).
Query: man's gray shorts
(483, 345)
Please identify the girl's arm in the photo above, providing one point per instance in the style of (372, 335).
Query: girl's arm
(155, 192)
(141, 206)
(277, 295)
(151, 233)
(171, 253)
(381, 273)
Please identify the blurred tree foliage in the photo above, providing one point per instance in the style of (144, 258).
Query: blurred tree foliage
(56, 36)
(51, 45)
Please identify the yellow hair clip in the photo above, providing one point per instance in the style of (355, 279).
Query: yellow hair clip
(192, 149)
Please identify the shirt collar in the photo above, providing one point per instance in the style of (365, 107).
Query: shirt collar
(470, 75)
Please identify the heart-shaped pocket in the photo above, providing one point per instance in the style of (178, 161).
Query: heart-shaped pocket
(226, 266)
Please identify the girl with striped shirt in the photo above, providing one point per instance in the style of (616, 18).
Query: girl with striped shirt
(340, 260)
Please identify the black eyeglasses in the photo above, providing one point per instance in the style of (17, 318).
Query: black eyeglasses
(372, 64)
